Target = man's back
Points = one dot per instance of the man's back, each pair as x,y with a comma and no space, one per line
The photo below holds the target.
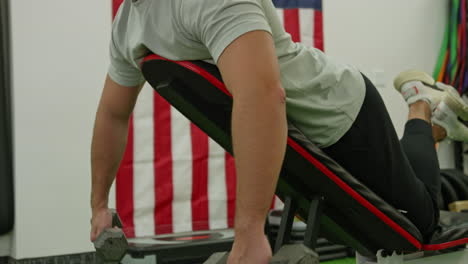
323,98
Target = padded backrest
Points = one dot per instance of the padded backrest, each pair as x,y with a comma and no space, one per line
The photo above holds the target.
6,171
353,214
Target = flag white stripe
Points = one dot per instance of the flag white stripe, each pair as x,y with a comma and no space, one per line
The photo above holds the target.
181,172
143,166
217,195
306,22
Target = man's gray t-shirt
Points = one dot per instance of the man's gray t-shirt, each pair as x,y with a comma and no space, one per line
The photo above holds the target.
323,97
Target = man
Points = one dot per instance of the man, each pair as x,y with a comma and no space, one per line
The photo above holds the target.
272,78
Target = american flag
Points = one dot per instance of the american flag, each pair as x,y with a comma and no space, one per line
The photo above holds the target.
173,177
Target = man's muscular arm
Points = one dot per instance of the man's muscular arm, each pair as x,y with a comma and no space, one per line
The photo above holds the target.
249,68
109,140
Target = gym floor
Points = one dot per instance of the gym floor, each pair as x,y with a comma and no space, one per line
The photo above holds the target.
341,261
151,260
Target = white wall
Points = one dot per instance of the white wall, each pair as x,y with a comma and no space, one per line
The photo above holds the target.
5,245
59,53
387,37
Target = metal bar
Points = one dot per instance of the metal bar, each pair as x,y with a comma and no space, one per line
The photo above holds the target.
313,222
284,232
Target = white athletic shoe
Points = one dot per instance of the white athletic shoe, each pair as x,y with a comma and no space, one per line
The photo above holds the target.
445,117
454,101
416,85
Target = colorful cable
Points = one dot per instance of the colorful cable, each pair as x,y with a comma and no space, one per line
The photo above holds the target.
452,65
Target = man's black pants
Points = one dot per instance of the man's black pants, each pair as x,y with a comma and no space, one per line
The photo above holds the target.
404,173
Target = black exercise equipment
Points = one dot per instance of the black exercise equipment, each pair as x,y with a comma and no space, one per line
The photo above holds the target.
461,175
458,155
111,245
352,214
298,253
448,192
295,254
288,254
440,202
6,139
324,248
182,248
218,258
459,182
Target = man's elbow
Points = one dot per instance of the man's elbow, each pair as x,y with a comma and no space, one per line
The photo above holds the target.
275,94
281,93
261,93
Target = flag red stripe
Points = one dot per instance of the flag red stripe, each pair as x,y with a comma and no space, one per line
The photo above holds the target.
318,30
162,166
230,188
291,24
124,186
115,6
200,213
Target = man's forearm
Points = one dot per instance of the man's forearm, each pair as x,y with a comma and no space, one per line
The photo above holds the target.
109,140
259,139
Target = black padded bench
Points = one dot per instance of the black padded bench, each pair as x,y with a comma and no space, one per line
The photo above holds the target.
352,214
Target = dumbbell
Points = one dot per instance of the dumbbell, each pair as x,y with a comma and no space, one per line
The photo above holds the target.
111,245
288,254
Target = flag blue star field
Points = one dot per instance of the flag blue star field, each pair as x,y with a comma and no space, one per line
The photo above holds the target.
173,178
302,19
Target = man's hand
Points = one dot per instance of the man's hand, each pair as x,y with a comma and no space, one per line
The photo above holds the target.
102,219
250,70
253,249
